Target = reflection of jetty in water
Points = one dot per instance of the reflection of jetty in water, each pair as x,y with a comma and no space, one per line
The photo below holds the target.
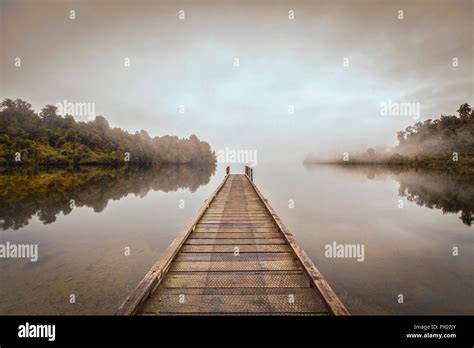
48,193
448,191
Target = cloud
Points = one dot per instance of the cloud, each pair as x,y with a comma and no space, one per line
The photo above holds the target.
282,63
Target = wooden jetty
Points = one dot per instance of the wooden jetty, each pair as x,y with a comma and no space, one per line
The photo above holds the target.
234,257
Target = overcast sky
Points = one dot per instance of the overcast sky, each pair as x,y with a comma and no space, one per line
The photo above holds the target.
283,62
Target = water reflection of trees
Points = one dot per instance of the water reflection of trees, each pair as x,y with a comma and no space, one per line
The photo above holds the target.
48,193
449,192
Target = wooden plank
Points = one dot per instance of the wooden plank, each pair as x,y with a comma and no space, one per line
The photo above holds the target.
236,224
236,258
236,229
236,280
241,222
237,219
248,211
235,241
228,211
226,235
235,291
230,266
302,302
278,248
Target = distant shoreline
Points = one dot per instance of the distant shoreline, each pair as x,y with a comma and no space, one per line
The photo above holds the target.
446,143
77,167
464,165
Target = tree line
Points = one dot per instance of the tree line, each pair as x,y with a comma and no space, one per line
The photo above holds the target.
444,142
446,134
46,138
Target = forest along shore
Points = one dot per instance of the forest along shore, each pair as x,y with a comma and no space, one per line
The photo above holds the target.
28,138
443,143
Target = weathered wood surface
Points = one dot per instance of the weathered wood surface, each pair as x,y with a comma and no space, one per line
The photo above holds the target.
234,257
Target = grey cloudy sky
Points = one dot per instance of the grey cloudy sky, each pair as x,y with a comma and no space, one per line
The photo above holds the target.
282,62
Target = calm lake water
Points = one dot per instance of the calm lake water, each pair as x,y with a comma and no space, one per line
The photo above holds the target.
83,221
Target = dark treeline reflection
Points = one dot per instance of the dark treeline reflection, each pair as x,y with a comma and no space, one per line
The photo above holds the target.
447,191
24,194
